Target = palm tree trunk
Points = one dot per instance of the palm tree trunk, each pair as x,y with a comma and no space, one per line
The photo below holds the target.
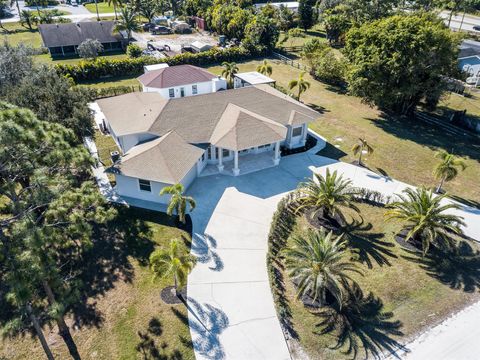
461,23
450,18
18,7
63,329
439,187
176,285
360,157
39,332
115,10
96,8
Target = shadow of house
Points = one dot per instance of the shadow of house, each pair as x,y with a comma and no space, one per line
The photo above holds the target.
361,324
458,268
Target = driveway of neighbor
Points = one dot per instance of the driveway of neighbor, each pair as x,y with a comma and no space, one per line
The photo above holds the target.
231,309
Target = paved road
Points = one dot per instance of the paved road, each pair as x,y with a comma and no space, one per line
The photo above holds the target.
468,22
232,314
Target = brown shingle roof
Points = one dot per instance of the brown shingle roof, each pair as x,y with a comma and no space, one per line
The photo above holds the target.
166,159
75,33
175,76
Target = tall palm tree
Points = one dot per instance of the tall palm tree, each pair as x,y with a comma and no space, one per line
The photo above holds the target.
316,262
360,147
115,3
96,8
174,261
425,219
448,168
128,21
228,72
178,201
28,18
302,85
265,68
328,194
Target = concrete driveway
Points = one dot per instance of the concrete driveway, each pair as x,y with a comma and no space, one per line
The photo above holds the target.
231,309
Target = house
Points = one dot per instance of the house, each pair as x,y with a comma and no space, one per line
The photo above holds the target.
250,78
63,39
198,46
168,141
290,5
153,67
181,81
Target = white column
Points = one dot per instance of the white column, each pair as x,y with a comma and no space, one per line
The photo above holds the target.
304,134
276,156
236,170
220,160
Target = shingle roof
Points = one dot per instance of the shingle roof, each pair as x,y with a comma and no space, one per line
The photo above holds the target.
166,159
175,76
75,33
240,129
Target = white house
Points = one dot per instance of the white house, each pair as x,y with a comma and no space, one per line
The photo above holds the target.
250,78
168,141
181,81
290,5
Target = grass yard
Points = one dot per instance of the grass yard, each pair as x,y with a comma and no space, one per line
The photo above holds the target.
404,149
19,34
105,144
47,59
407,293
103,8
122,315
114,81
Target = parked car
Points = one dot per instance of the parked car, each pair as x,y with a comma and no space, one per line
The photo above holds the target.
476,27
161,30
148,26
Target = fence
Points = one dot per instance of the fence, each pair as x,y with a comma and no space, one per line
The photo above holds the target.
291,62
447,127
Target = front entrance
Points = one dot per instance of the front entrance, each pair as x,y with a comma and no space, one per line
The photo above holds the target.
182,92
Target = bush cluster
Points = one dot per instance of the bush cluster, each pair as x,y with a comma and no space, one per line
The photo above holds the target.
104,67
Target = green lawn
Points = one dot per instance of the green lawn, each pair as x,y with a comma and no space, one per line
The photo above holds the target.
125,317
404,149
109,82
21,35
103,8
409,293
47,59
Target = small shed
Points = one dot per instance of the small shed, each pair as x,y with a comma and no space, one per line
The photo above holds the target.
198,46
251,78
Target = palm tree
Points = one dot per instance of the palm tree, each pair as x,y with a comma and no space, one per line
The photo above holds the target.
448,168
425,219
301,83
228,72
328,194
174,261
265,68
316,263
128,22
98,15
115,3
360,147
28,18
178,201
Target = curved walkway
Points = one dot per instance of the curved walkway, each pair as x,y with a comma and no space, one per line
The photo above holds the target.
231,309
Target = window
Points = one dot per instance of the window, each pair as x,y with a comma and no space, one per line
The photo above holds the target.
144,185
264,146
194,90
225,153
297,131
171,93
182,92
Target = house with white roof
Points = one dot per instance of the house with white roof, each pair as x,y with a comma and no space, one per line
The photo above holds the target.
164,141
180,81
290,5
250,78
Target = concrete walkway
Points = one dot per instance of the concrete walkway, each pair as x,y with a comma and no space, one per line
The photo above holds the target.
231,310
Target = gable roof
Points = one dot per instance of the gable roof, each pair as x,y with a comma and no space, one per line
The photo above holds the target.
175,76
166,159
240,129
69,34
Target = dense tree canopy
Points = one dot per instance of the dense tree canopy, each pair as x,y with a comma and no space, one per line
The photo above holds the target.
401,60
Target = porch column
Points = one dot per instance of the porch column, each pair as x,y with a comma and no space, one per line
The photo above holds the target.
220,159
304,134
276,156
236,170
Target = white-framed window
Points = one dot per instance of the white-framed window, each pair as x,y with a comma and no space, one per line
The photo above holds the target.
264,146
194,90
297,131
144,185
225,152
171,92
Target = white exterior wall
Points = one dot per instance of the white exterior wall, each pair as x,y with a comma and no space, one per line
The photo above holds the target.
297,141
129,186
202,88
126,142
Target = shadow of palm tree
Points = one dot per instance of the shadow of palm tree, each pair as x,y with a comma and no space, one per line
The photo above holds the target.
459,267
203,247
360,324
148,347
368,247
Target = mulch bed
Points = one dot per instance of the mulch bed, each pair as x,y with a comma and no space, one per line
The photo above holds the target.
318,221
188,226
400,239
309,143
169,297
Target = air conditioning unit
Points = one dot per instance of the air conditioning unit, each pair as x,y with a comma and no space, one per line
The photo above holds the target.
114,155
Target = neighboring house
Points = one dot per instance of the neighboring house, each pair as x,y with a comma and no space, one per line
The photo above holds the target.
250,78
63,39
290,5
198,46
168,141
470,65
181,81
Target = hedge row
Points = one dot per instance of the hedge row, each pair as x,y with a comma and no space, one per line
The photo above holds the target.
104,67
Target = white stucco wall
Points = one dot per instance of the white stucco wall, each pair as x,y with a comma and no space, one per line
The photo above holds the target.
129,186
202,88
126,142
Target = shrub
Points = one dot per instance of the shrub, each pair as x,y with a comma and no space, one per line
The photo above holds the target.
103,67
328,68
89,49
134,51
